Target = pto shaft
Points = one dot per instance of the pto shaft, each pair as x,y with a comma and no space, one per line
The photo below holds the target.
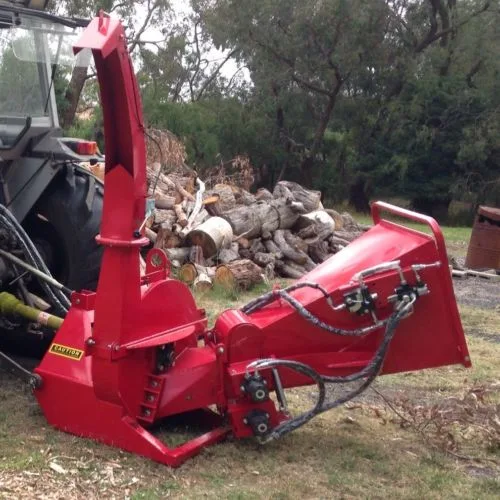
12,306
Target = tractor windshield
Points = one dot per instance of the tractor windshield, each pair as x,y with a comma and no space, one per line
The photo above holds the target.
30,51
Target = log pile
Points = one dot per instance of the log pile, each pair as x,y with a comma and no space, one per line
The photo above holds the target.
222,234
236,239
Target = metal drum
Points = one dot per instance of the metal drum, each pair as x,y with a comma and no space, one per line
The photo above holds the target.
484,245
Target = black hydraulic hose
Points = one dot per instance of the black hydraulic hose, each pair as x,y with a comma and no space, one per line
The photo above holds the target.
265,299
59,299
369,372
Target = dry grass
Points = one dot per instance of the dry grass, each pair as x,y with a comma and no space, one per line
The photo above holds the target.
367,449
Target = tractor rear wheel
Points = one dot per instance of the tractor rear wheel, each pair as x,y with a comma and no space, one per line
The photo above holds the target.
63,225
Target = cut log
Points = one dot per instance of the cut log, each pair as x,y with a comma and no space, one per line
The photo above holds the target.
166,217
150,234
294,265
178,254
212,205
225,193
238,275
309,199
202,283
187,273
243,197
263,195
264,259
273,249
214,234
245,253
319,252
163,201
243,242
229,254
200,218
318,217
252,221
339,222
257,246
288,271
289,252
182,219
166,238
349,224
295,241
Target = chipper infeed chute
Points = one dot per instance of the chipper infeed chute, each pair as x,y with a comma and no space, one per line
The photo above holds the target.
139,349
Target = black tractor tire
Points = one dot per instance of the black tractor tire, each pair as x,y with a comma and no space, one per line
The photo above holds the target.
63,225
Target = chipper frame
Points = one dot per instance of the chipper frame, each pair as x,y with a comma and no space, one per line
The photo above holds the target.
139,349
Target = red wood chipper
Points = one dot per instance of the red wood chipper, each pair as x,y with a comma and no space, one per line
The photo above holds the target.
139,349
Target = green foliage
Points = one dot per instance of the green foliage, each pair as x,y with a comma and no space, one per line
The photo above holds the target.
358,99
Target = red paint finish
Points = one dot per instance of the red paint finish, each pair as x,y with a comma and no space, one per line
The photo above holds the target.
148,353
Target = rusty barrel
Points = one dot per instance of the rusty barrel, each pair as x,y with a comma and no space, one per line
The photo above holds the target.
484,245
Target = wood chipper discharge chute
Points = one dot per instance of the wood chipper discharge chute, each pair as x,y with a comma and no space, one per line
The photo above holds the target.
139,349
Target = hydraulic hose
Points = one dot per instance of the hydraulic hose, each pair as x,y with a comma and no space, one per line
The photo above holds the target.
369,373
57,297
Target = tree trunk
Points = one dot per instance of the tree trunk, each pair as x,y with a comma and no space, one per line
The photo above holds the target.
72,95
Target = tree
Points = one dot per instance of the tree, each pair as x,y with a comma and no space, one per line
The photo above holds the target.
314,49
150,13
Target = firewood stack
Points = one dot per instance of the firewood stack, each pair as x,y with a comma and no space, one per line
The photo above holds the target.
225,235
236,238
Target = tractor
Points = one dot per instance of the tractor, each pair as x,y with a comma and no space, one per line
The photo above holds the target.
138,350
48,202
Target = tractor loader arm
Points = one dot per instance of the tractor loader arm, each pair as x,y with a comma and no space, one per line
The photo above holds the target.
139,349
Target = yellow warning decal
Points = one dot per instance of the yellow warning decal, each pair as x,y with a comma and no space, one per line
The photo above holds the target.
66,352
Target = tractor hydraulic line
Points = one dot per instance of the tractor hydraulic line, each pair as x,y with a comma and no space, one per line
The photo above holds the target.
10,305
138,350
45,277
57,298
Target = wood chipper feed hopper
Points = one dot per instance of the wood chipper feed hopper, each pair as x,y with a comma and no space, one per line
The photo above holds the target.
139,349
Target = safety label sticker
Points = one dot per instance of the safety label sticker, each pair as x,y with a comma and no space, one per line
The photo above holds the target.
66,352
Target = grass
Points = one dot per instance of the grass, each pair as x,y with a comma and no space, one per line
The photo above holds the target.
359,451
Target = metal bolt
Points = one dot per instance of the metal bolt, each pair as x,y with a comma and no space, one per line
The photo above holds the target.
77,301
154,383
90,341
242,387
146,412
262,428
220,350
245,421
116,348
150,398
260,394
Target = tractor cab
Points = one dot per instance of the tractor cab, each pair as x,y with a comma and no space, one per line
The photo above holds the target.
36,59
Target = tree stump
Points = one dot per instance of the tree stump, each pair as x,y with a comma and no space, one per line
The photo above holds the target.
239,274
